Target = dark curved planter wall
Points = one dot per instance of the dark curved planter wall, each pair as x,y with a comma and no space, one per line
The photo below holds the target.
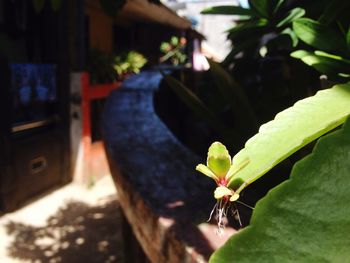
162,196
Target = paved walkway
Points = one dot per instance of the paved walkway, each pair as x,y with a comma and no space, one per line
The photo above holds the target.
73,224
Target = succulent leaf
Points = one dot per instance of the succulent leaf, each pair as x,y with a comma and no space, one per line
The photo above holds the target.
206,171
219,159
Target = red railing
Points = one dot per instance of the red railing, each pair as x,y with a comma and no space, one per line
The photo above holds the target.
89,93
89,159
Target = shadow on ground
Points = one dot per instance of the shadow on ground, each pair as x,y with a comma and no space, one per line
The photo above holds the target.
78,232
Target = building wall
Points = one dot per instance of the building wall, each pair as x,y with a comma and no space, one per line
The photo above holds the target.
34,139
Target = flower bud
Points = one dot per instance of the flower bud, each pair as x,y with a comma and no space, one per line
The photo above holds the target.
219,159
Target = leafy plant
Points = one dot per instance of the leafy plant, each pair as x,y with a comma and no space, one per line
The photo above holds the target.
306,218
279,214
130,62
288,132
174,51
331,48
290,224
106,68
263,19
260,61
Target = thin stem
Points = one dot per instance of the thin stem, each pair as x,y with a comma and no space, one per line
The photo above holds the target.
245,204
236,212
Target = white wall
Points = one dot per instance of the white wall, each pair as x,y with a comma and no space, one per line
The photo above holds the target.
212,26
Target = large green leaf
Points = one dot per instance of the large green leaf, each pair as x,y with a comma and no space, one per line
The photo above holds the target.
261,7
319,36
335,57
306,218
292,129
325,63
266,8
227,10
233,93
292,15
276,5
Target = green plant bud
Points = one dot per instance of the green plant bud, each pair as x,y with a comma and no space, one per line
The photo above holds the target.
219,160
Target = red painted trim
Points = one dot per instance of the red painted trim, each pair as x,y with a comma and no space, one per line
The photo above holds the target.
85,105
102,91
88,93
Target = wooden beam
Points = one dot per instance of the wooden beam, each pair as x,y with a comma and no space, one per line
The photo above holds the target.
155,13
143,10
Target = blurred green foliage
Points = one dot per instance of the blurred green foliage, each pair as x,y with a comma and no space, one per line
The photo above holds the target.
174,51
306,39
274,43
107,68
130,62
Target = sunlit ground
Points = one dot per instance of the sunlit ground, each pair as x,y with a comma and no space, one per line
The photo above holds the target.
73,224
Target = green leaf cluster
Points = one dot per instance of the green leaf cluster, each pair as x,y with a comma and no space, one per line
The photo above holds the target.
107,68
219,168
174,51
329,48
292,129
303,219
262,18
306,218
290,224
131,62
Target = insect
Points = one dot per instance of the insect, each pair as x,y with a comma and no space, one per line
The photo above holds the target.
219,168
